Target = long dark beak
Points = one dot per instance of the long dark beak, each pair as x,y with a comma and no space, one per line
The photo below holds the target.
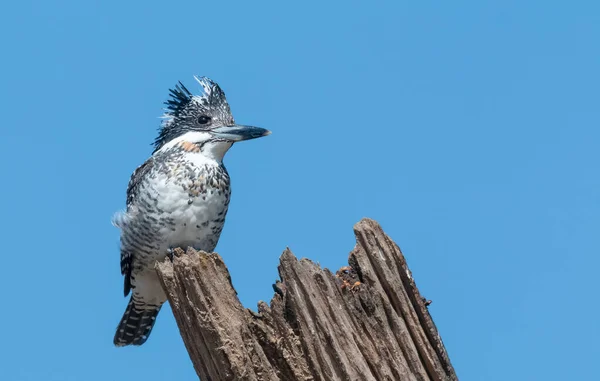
239,132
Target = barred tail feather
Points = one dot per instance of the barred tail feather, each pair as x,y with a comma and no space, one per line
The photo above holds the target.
136,324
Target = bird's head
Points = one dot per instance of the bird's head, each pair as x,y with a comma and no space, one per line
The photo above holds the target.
204,119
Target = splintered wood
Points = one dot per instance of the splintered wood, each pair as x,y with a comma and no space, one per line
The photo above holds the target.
366,322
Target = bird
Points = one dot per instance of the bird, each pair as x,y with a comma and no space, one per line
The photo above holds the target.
178,198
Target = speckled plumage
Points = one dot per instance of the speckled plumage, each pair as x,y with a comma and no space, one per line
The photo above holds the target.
178,198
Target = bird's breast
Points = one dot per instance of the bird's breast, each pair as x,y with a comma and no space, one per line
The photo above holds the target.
193,199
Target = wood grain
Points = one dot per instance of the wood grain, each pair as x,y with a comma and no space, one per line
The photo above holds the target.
366,322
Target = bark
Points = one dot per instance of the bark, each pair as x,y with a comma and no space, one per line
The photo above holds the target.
366,322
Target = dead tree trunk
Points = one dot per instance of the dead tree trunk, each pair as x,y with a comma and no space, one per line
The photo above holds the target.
366,322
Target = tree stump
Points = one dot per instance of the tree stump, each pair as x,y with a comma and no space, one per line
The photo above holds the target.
366,322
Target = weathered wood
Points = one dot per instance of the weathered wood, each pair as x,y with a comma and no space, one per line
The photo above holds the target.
366,322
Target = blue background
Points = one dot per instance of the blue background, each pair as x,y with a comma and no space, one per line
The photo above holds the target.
469,130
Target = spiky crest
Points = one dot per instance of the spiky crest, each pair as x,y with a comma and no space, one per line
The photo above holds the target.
180,98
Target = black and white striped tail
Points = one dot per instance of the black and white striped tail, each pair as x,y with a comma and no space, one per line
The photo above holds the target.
136,324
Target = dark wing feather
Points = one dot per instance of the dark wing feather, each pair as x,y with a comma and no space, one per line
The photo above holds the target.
136,179
132,190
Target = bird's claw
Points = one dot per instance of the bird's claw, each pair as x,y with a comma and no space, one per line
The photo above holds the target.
349,286
355,285
174,252
170,253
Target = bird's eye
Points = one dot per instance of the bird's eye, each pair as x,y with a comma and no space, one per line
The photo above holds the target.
204,119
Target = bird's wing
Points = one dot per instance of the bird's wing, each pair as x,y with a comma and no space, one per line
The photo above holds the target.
136,179
132,190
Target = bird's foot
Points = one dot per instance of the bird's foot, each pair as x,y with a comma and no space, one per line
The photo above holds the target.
355,285
350,286
174,252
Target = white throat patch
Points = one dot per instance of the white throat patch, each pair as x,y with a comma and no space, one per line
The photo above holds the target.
212,150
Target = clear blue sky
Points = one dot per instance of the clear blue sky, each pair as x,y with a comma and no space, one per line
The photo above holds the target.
469,130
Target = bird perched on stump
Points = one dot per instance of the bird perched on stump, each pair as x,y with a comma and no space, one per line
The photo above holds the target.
177,198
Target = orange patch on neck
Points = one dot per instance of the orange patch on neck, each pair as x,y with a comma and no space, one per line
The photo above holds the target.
189,147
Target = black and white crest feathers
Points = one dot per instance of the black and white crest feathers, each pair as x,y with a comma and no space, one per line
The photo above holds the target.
184,108
180,98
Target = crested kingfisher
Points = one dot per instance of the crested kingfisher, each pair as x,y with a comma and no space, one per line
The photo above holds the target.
177,198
